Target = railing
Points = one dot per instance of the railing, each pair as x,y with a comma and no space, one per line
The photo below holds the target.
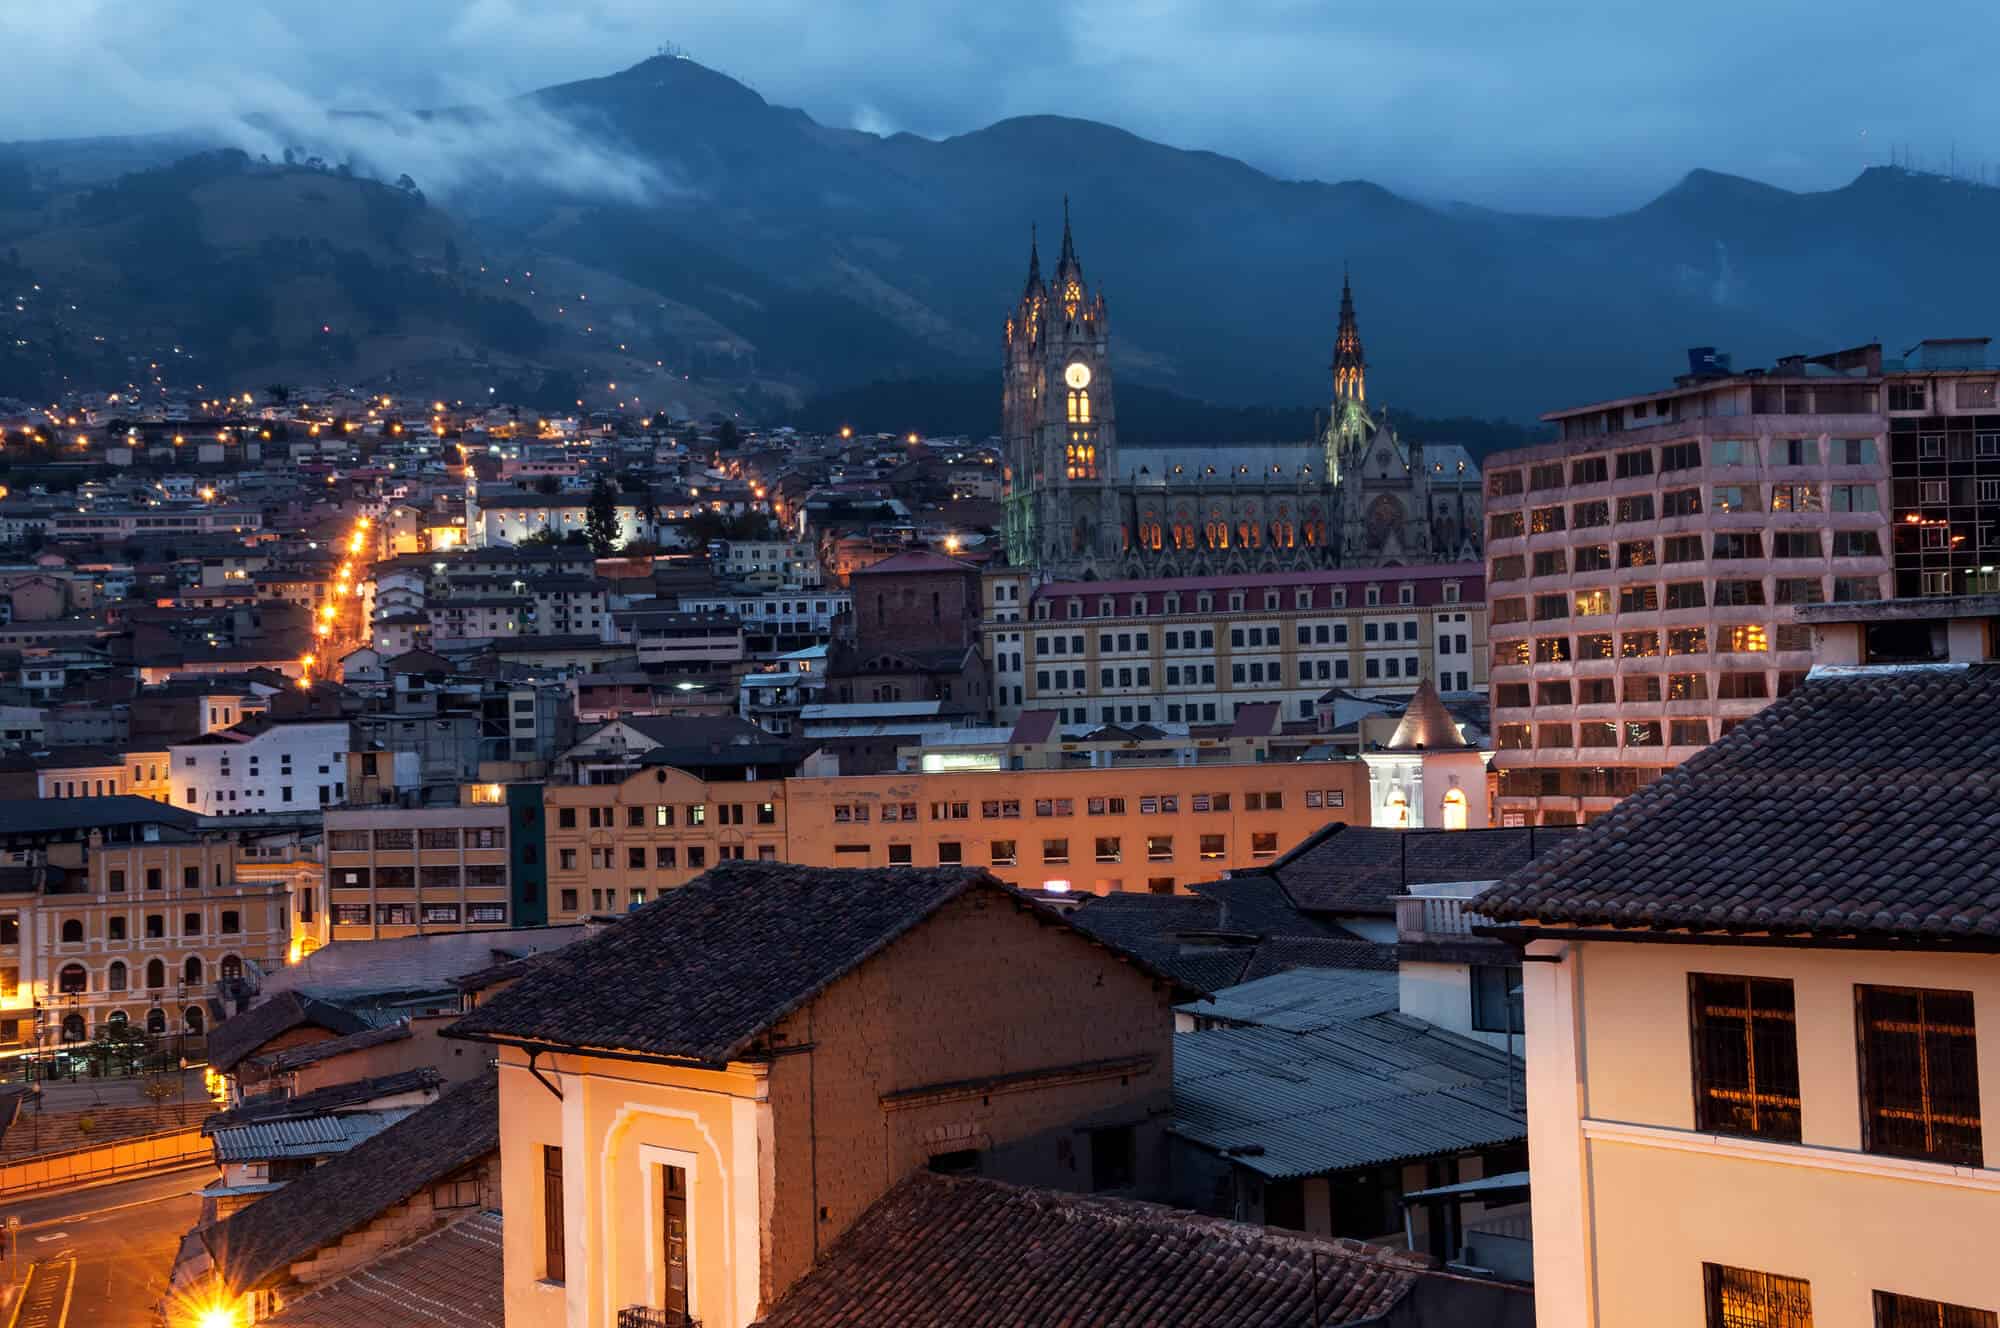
121,1157
647,1316
1430,917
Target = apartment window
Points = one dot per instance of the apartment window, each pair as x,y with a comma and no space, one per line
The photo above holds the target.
1740,1298
1680,502
1213,847
1548,475
1636,553
1055,852
1597,733
1004,853
1593,558
1737,498
1510,568
635,858
1552,650
1589,470
1501,483
1506,525
1687,686
1894,1311
1797,498
1919,1074
1631,464
1554,736
1643,733
1551,606
1803,543
1552,694
1685,595
900,855
1680,456
1688,732
950,853
1543,520
1551,562
1638,599
1744,638
1687,641
1594,513
568,901
1854,498
1739,593
1264,844
565,818
1741,687
1592,602
1159,848
566,859
1636,507
554,1264
1854,451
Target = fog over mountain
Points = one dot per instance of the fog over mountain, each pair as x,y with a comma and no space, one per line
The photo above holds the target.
738,254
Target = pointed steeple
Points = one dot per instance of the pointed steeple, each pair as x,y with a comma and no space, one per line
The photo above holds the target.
1067,265
1034,260
1350,365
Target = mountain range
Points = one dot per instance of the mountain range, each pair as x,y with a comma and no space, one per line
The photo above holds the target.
713,252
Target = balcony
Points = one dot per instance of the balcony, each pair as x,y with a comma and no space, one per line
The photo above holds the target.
646,1316
1431,918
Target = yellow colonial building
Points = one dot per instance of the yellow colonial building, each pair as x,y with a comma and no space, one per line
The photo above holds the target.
1754,995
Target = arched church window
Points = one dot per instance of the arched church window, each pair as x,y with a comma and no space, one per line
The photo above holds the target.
1072,297
1079,406
1454,809
1396,812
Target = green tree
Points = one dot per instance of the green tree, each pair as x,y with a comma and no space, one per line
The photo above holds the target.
549,484
600,523
542,539
728,436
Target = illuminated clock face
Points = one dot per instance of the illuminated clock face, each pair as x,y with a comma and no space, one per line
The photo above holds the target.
1077,376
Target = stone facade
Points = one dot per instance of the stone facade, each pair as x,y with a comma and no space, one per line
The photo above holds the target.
1079,506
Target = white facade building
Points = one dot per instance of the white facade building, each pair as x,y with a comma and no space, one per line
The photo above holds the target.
263,765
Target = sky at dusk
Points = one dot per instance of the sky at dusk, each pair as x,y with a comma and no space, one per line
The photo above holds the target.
1589,107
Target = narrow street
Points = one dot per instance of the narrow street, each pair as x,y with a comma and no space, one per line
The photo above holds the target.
101,1256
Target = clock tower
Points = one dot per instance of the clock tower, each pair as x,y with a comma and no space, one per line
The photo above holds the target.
1059,425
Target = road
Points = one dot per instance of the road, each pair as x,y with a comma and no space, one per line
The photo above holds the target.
105,1252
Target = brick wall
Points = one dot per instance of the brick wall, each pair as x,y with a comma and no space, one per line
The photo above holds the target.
982,989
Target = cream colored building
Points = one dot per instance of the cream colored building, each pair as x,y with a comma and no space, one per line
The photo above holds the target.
695,1105
1753,1000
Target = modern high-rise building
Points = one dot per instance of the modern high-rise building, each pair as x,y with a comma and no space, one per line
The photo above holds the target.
1644,570
1944,467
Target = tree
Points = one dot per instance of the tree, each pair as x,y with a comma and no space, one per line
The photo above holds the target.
600,523
548,484
728,436
157,1090
279,393
542,539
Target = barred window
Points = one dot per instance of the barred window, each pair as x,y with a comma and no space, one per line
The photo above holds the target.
1894,1311
1746,1056
1919,1074
1740,1298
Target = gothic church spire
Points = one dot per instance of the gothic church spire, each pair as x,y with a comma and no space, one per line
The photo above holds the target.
1350,365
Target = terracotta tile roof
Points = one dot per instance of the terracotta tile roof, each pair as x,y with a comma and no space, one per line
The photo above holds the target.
945,1250
1359,869
1866,803
241,1035
295,1058
255,1245
701,972
450,1279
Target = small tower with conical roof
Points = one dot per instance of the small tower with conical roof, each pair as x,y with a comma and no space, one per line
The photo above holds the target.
1427,774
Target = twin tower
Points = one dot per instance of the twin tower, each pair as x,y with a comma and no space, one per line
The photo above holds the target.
1189,510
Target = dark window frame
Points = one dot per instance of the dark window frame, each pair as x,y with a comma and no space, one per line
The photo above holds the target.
1745,1056
1928,1112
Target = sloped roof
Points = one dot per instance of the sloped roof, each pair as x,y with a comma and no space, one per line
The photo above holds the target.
1360,869
915,560
1427,725
1303,1000
1866,803
52,815
240,1035
333,1098
1362,1092
307,1136
970,1253
255,1245
294,1058
449,1279
700,972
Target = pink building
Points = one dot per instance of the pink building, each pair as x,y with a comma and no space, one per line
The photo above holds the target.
1644,571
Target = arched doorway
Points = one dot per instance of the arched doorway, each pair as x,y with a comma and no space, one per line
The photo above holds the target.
193,1020
156,1021
73,1028
1454,809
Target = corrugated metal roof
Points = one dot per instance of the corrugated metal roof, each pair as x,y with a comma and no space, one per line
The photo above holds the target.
1302,1000
1379,1088
312,1136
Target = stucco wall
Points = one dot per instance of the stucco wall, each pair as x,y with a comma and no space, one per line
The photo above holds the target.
1630,1201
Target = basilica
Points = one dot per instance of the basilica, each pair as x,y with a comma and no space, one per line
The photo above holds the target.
1078,505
